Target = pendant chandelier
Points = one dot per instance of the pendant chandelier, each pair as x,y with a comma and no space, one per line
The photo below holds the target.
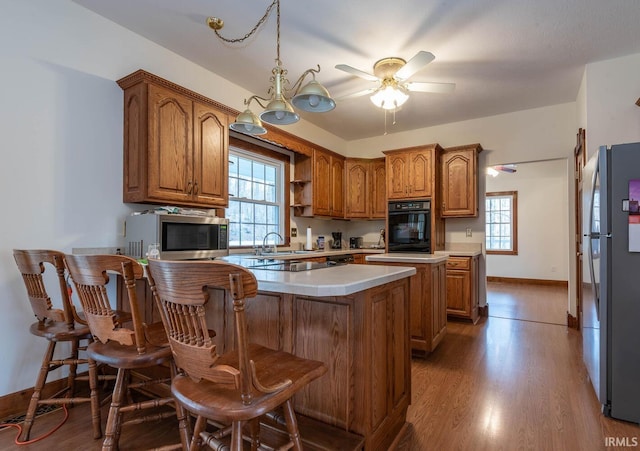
312,97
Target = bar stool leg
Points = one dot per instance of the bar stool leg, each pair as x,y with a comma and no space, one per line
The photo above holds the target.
113,420
37,392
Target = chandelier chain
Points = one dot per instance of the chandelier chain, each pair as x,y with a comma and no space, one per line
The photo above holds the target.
255,28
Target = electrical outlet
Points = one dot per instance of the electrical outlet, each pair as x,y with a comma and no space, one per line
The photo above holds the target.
294,232
468,231
554,269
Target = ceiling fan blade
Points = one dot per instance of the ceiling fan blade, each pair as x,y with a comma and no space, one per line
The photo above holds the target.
356,72
364,92
425,86
416,63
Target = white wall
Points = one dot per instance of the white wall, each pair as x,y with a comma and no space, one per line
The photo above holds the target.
543,215
612,88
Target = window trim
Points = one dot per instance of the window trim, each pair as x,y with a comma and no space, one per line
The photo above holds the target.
286,160
514,223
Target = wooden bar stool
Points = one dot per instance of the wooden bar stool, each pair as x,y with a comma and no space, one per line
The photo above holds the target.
123,348
235,388
56,325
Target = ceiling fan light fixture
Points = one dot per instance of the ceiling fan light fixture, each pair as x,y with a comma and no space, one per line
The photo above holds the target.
248,123
389,97
314,98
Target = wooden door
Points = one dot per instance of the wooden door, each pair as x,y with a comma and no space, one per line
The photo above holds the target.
397,173
357,191
420,174
170,142
459,184
378,188
211,156
321,183
336,184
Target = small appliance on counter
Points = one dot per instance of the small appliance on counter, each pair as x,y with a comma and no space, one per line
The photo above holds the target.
337,240
355,242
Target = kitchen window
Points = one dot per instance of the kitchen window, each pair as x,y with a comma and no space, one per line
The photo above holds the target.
257,197
502,223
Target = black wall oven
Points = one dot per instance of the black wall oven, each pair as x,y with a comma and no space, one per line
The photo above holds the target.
410,226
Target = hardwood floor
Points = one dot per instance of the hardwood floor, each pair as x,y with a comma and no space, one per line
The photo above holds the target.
502,384
540,303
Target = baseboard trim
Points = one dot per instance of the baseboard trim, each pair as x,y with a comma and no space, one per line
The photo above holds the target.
572,321
17,403
483,310
554,283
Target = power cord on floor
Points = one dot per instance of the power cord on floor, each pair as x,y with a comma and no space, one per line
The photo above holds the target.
28,442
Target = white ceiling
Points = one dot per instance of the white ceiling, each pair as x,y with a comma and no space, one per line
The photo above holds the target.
503,55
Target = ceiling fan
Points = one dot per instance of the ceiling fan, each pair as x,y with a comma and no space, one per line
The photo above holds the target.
391,76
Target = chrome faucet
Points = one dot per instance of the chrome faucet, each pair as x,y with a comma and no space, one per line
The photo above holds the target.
264,243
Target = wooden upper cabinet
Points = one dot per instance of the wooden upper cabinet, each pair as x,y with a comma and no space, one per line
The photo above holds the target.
337,186
378,189
211,155
357,192
459,168
322,190
410,172
176,144
365,192
318,188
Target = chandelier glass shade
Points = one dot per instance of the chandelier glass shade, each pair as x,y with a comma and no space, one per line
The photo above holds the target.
278,110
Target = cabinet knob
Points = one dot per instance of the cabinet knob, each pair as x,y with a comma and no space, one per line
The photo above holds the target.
189,187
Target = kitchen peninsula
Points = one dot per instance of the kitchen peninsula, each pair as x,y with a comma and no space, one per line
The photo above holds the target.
354,318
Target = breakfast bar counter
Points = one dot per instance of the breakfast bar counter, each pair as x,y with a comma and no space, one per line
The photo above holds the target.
355,319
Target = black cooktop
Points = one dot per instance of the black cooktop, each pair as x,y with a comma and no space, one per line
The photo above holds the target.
293,266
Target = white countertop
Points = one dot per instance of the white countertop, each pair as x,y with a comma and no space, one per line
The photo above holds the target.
340,280
459,253
406,257
286,254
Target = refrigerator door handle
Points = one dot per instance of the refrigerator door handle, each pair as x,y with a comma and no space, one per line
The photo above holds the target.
593,235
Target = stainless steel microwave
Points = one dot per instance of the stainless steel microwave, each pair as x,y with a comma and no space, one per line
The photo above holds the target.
179,237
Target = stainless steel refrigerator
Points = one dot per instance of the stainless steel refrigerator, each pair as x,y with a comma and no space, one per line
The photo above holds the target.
611,281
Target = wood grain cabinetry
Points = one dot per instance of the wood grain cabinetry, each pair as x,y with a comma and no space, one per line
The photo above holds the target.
411,172
462,288
365,193
427,304
459,167
318,188
175,144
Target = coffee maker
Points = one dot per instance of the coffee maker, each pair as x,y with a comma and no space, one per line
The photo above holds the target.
337,240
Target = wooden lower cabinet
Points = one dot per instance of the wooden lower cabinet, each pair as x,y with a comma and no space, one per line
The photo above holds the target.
462,288
428,304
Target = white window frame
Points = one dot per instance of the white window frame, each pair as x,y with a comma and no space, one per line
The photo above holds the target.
259,230
499,225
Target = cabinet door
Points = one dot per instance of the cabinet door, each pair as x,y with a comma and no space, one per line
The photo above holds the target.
357,197
321,183
378,189
459,184
397,170
458,292
170,145
210,156
337,187
420,174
